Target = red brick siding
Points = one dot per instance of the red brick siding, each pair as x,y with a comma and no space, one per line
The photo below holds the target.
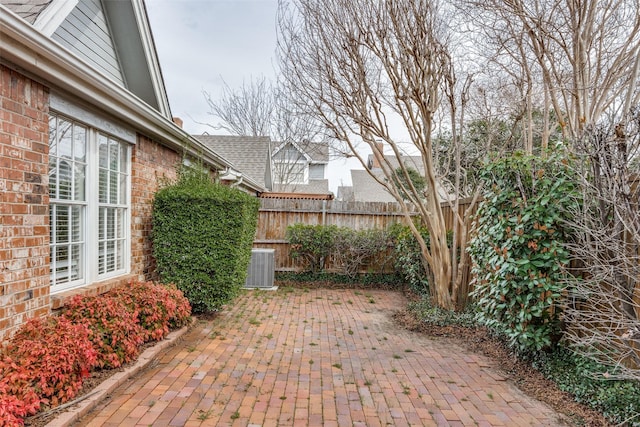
151,162
24,209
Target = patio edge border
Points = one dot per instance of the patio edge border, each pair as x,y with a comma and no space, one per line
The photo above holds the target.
102,390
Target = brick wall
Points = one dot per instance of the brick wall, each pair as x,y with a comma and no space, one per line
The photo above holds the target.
24,204
24,208
151,162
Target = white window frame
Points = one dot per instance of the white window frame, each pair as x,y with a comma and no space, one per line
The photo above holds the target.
96,125
284,172
283,162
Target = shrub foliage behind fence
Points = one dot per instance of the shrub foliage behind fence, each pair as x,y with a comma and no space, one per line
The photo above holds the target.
275,215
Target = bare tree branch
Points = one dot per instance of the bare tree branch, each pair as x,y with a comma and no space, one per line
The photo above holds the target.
364,69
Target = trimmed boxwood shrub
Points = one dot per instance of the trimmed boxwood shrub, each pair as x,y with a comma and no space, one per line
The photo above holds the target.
202,237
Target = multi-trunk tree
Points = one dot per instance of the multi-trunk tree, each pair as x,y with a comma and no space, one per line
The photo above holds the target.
366,69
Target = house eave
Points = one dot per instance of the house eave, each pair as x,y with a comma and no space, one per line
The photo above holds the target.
45,60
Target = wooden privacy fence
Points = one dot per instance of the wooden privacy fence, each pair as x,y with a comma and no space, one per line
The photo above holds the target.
276,215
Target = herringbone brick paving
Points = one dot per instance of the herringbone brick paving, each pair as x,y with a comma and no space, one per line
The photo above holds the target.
317,358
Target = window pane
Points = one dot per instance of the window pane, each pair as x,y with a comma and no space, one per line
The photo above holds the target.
124,155
52,228
101,223
65,182
113,187
76,224
65,139
120,254
120,223
79,179
114,156
103,186
62,224
103,151
62,259
111,226
123,189
75,262
53,177
79,143
101,258
111,259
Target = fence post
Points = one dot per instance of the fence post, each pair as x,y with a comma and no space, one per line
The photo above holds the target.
324,212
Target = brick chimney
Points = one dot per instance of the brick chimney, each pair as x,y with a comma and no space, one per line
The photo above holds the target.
376,163
178,121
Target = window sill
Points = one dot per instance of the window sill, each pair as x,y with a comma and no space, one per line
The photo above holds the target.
60,300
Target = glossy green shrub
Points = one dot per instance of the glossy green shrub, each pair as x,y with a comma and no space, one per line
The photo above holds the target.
518,249
202,238
591,383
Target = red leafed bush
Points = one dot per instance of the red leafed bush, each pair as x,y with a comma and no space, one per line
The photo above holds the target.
115,329
182,314
17,398
43,363
159,307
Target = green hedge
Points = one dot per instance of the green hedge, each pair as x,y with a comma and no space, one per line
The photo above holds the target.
407,257
202,237
350,250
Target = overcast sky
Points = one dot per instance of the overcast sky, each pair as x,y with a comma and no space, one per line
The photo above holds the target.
202,43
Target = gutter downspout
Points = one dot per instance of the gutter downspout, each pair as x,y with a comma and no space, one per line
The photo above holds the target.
238,182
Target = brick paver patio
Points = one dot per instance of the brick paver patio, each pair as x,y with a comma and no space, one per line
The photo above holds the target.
317,358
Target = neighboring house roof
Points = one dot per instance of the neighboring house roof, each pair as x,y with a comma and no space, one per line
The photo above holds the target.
248,154
318,151
315,186
315,152
414,162
345,193
29,10
367,189
37,46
